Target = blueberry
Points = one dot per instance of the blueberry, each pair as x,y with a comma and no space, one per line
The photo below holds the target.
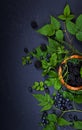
34,24
26,50
30,89
38,64
34,51
43,47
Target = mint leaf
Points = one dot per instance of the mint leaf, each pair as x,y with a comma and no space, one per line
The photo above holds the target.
52,74
78,125
71,27
62,17
55,23
24,60
79,22
50,82
53,59
47,30
52,117
67,10
63,122
81,72
79,36
59,35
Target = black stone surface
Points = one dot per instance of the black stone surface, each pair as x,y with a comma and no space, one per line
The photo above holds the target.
18,109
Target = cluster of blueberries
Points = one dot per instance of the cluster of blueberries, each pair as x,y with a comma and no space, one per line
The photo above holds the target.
62,103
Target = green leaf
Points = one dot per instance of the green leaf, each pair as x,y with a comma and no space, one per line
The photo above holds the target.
53,59
67,10
50,126
71,27
79,36
79,22
63,122
81,72
78,98
52,117
57,84
46,107
62,17
47,30
68,95
24,60
70,17
50,82
39,97
55,23
59,35
52,74
78,125
41,83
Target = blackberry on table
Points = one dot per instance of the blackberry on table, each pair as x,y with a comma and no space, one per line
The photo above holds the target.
34,25
38,64
26,50
30,89
48,55
43,47
34,51
46,89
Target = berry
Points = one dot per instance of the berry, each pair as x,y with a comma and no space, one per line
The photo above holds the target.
43,47
41,57
46,89
45,114
34,24
47,59
38,64
31,56
34,51
48,55
26,50
75,118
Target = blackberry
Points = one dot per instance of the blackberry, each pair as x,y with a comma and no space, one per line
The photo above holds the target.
75,118
38,64
34,51
41,58
45,114
46,89
48,55
43,47
26,50
31,56
47,59
34,25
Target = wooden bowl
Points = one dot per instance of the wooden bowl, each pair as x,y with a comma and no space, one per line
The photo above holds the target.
61,77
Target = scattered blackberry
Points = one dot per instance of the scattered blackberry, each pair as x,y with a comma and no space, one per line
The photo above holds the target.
47,59
34,25
44,121
31,56
41,58
26,50
34,51
48,55
46,89
43,47
38,64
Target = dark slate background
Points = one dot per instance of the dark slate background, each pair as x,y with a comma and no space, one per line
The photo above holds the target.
18,109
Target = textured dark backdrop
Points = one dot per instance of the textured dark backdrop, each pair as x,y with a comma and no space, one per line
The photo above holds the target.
18,109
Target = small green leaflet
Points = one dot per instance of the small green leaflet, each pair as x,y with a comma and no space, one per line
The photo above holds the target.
78,98
47,30
52,74
68,95
50,82
50,126
52,118
79,22
59,35
79,36
67,10
63,122
24,60
81,72
57,84
62,17
53,59
55,23
45,101
78,125
39,86
71,27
